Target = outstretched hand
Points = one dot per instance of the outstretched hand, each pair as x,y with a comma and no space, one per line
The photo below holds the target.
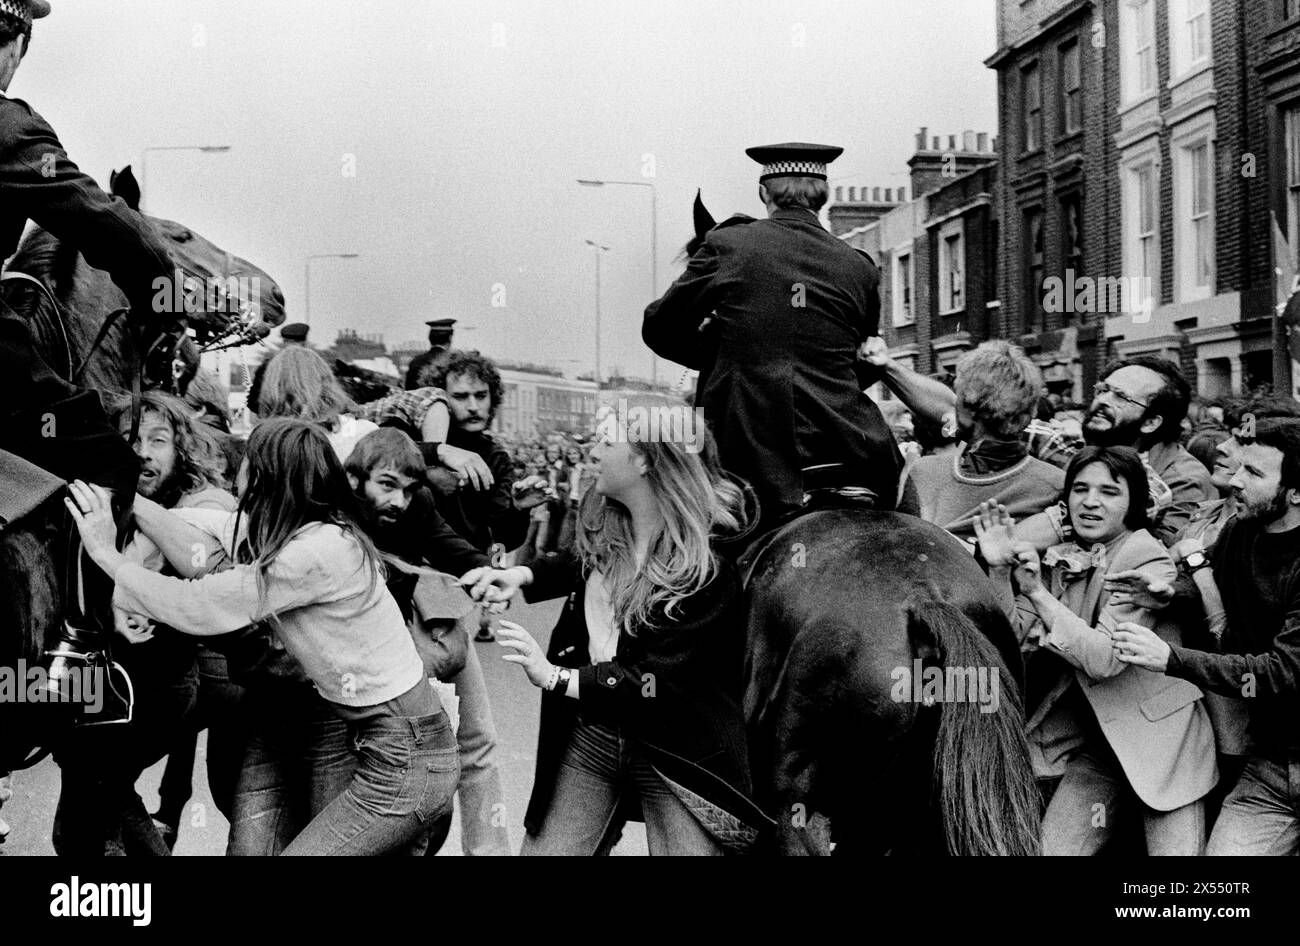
995,532
526,652
1136,588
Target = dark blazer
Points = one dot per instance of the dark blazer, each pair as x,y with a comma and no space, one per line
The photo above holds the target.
691,729
790,305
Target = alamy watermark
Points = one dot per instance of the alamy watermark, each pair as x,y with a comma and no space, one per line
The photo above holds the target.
652,423
184,293
31,684
930,685
1111,295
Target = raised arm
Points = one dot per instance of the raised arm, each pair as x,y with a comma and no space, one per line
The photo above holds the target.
189,550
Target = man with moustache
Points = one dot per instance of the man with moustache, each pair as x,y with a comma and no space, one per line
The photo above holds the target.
1140,403
1256,568
99,811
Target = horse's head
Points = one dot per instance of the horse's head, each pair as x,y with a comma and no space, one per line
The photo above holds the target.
227,300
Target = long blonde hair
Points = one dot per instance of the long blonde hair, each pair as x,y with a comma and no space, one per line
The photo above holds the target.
697,503
298,383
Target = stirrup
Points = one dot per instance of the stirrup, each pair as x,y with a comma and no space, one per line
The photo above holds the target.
75,657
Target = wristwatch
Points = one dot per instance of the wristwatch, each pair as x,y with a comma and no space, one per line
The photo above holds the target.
562,681
1196,561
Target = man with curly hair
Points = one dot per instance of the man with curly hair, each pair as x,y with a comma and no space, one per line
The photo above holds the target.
484,513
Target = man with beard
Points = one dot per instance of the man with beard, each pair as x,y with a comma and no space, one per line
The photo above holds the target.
1140,403
1256,568
485,513
99,811
387,473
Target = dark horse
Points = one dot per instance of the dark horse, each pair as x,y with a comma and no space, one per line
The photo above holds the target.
853,614
66,304
845,606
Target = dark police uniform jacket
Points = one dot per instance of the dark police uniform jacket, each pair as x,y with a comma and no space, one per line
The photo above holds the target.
790,305
38,182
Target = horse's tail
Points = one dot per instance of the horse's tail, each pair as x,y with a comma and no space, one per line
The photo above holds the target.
987,795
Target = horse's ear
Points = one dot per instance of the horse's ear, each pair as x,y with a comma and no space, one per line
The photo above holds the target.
123,184
704,221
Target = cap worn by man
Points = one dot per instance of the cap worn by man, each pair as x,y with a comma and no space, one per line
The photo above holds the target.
24,10
794,159
295,332
441,327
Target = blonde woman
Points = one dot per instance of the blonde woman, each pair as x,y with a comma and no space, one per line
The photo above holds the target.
642,681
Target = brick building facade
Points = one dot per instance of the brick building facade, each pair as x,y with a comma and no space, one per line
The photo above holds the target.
1053,196
937,253
1138,159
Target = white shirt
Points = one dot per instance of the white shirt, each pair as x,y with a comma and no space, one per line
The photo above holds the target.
602,631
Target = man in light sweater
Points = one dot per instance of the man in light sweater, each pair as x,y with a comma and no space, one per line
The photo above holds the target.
997,389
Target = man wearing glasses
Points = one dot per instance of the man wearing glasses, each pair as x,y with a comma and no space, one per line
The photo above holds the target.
1140,403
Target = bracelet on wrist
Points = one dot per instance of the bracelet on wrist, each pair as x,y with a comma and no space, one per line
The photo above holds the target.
555,678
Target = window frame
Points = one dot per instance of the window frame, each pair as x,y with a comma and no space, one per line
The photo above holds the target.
1031,125
1034,256
1291,171
952,298
1141,246
1071,96
1135,14
906,297
1183,14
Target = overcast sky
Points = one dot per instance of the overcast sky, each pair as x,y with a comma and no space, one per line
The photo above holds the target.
467,123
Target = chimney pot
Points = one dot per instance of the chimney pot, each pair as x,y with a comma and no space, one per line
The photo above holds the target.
875,195
936,143
921,138
982,141
889,195
952,142
902,195
839,195
853,194
968,141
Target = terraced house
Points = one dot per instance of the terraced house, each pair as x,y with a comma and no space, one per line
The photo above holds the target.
1138,176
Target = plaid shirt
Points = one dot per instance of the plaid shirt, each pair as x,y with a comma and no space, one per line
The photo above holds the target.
409,407
1048,444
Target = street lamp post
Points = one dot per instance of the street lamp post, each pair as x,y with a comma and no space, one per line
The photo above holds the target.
654,247
307,281
144,163
599,250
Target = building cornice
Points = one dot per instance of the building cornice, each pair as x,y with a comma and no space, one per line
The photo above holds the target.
1044,27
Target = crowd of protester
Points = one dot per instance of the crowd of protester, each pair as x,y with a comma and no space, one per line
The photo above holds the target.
1142,544
1146,549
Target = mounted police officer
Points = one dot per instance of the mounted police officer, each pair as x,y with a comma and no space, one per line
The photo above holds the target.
790,305
42,419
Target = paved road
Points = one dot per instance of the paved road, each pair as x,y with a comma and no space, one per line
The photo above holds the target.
515,706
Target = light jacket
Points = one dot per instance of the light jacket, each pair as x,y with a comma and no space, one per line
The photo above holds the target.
1156,725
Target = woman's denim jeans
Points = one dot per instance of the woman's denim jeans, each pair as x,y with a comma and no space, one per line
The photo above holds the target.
599,766
406,775
296,762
